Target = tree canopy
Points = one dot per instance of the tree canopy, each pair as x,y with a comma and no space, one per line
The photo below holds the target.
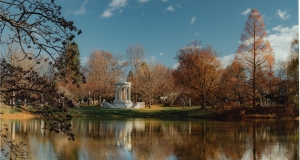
199,69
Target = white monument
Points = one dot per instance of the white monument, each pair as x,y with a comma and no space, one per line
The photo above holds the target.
123,97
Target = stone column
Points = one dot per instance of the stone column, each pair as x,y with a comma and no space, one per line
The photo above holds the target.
129,93
122,95
127,98
125,93
119,92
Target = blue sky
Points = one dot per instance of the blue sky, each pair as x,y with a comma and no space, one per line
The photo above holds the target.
162,27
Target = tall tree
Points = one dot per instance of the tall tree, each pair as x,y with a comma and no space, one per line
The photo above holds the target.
255,51
173,89
201,69
103,70
135,56
70,71
150,76
233,82
238,73
293,70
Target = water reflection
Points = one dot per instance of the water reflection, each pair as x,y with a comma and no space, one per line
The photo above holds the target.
147,139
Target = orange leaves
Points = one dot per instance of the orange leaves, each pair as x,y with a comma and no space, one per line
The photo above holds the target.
199,69
255,52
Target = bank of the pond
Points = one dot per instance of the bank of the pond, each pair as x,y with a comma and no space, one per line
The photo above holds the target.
169,112
8,112
190,112
155,112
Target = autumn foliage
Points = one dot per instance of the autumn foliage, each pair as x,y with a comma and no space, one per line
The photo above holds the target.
255,51
199,69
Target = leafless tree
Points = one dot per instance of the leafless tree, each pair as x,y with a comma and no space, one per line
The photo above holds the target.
103,70
135,56
36,25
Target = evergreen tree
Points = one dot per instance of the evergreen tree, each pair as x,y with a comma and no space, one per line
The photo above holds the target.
71,69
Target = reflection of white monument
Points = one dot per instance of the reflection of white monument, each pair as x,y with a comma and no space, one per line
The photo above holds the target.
123,97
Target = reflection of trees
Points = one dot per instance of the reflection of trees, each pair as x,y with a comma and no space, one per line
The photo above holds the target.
161,139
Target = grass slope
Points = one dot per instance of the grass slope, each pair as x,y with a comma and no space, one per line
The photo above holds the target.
154,111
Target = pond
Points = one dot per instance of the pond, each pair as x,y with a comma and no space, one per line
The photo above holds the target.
158,139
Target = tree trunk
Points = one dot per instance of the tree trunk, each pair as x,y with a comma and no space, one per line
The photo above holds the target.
99,101
254,89
149,102
203,101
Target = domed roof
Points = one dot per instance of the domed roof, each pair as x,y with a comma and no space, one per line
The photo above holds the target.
122,83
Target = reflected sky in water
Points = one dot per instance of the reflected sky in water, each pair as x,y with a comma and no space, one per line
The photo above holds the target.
152,139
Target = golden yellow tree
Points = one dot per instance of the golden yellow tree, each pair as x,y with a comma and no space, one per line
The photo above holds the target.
199,70
103,70
151,77
255,51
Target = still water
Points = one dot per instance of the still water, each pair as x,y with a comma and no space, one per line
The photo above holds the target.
158,139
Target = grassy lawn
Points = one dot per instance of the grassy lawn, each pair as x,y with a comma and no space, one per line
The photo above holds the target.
95,111
4,109
154,111
157,111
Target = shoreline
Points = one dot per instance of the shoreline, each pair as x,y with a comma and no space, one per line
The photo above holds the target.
238,114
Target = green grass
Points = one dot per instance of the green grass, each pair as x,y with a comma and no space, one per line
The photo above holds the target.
9,110
154,111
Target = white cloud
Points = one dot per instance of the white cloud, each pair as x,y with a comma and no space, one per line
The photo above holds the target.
83,60
193,20
143,1
82,9
161,53
280,39
175,66
283,14
170,8
164,0
248,10
115,5
196,33
107,13
227,60
118,3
